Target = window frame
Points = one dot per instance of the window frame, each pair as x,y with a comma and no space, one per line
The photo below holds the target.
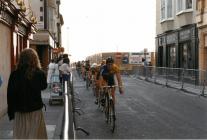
41,9
166,18
41,18
184,8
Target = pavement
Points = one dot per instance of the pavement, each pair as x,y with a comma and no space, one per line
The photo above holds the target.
190,88
53,119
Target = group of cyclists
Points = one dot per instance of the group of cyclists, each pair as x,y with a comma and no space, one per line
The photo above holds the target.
104,74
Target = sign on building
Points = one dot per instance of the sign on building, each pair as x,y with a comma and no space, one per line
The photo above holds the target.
136,58
125,59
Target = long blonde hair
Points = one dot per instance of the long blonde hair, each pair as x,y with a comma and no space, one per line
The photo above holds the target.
28,62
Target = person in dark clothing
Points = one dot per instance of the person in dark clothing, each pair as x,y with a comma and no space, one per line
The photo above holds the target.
24,97
1,81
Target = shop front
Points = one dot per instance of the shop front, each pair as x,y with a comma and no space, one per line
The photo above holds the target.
44,44
178,49
15,30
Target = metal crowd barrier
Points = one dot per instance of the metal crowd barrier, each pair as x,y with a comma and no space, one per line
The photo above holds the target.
68,128
190,80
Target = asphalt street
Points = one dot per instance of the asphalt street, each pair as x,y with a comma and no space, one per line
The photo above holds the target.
145,111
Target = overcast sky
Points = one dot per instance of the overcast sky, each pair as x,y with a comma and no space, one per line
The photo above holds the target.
93,26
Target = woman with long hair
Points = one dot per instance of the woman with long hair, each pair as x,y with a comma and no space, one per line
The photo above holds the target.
24,97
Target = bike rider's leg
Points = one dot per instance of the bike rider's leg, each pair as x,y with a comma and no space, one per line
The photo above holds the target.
97,90
113,94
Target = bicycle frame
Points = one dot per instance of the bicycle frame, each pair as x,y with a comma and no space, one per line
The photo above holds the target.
109,107
87,79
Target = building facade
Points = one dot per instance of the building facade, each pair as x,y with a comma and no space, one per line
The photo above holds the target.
48,36
201,19
15,32
177,34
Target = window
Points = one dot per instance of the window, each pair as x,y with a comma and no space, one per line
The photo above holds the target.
41,9
179,5
186,56
162,9
184,5
169,9
166,9
189,4
171,56
41,18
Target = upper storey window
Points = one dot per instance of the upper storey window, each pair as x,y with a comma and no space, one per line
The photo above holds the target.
166,10
184,6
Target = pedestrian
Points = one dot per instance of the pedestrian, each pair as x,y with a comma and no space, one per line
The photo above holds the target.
50,72
65,56
56,72
145,66
65,71
150,69
24,97
1,81
60,62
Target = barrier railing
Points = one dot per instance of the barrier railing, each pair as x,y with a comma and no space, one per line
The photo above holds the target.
68,128
191,80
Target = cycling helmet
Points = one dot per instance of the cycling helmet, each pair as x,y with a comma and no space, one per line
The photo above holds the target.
109,60
94,65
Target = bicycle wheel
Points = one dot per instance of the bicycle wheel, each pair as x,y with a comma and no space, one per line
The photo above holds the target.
106,108
112,117
99,99
87,83
94,88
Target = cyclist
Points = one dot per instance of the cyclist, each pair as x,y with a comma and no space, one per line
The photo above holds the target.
98,79
108,72
87,71
78,68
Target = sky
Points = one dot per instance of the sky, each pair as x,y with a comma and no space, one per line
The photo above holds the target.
94,26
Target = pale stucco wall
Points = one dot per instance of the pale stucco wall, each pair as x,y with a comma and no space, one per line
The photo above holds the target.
5,64
178,21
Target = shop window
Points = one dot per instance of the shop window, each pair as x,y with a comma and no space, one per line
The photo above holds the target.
15,48
186,56
160,56
172,57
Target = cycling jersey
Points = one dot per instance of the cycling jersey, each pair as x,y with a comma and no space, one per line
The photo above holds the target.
87,67
108,75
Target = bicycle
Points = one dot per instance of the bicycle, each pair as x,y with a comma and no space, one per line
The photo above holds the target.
109,107
87,80
93,85
101,99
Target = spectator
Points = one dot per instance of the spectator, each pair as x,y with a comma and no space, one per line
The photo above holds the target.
65,56
24,97
1,81
145,66
51,70
65,72
56,72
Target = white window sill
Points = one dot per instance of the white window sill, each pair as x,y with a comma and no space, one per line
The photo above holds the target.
165,20
184,11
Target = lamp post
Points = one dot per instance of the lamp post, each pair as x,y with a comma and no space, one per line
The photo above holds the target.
68,37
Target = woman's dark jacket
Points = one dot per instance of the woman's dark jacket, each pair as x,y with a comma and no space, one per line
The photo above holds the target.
23,94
